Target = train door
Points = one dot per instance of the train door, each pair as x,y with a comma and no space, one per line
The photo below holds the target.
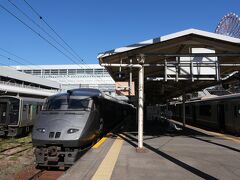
14,112
221,117
194,113
24,113
3,112
30,112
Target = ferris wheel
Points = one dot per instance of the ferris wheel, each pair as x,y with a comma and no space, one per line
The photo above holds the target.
229,25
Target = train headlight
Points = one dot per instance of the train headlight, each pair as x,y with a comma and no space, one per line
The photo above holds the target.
72,130
41,130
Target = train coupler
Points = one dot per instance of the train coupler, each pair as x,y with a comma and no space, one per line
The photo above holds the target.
55,156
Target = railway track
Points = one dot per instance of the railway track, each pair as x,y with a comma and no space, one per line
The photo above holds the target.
47,175
15,150
3,150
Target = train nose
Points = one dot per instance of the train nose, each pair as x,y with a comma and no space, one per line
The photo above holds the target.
57,129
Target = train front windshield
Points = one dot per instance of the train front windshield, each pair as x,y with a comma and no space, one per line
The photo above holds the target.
67,103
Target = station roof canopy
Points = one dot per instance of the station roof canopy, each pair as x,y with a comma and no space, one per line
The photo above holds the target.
170,48
12,73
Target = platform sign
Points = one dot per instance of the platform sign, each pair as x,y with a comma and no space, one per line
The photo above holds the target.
123,88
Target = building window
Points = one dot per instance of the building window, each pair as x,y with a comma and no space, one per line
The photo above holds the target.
98,71
36,72
28,71
62,72
71,71
89,71
54,71
46,72
80,71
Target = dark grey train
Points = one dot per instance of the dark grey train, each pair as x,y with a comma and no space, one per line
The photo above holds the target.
71,122
220,113
17,114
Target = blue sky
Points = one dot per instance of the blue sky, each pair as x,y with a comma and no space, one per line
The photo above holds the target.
93,26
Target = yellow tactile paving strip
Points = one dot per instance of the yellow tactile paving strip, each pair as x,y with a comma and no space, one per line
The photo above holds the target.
99,143
105,169
223,136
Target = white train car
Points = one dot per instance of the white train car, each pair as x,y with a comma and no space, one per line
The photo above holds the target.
17,114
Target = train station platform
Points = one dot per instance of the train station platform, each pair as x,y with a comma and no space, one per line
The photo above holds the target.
191,153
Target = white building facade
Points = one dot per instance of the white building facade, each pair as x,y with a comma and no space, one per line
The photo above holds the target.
73,76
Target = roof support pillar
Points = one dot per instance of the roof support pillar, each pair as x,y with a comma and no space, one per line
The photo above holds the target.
183,110
140,67
141,60
130,78
140,107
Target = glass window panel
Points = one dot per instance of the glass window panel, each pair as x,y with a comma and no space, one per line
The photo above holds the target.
80,71
36,72
28,71
54,72
71,71
89,71
62,72
46,71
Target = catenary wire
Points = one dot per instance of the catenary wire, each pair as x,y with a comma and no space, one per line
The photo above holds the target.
55,32
40,27
37,33
8,58
45,32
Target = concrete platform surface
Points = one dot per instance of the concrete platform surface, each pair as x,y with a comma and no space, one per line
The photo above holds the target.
186,154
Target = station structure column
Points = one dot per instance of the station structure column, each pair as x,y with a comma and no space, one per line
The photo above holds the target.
140,107
141,60
183,110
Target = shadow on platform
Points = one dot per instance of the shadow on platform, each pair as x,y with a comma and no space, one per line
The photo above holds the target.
133,141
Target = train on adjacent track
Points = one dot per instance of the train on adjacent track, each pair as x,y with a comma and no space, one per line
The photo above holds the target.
73,121
17,114
221,113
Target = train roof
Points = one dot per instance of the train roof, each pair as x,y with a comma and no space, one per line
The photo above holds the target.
91,92
85,92
214,98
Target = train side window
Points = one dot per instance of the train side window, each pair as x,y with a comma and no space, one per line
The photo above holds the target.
34,108
24,107
205,110
237,110
37,109
29,109
187,110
